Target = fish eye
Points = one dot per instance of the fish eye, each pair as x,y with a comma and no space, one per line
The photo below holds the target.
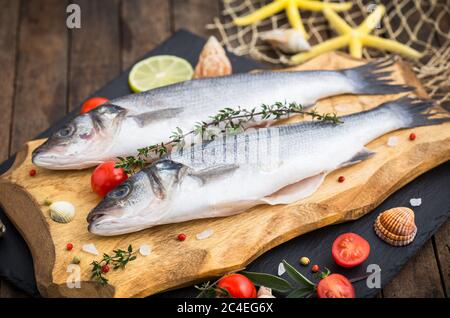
66,131
119,192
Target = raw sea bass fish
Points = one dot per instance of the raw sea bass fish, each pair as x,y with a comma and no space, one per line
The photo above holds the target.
275,165
135,121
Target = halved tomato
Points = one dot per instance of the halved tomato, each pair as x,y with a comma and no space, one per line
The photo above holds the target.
350,250
335,286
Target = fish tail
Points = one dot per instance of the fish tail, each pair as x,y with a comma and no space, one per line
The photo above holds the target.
414,112
373,79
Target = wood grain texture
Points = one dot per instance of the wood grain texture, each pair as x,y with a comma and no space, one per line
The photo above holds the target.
94,50
9,17
170,264
194,15
42,69
419,278
442,250
145,24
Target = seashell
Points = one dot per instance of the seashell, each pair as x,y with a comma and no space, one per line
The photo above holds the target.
287,40
62,211
396,226
213,60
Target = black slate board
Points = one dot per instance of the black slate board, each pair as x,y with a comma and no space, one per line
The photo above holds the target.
16,264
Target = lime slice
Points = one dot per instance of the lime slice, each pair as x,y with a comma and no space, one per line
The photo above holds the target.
157,71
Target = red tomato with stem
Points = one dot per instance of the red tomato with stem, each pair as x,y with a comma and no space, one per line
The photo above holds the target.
350,250
335,286
238,286
106,177
92,103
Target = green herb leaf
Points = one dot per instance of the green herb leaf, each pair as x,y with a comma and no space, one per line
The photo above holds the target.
296,275
269,281
300,292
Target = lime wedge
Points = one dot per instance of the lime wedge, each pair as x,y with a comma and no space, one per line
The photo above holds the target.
157,71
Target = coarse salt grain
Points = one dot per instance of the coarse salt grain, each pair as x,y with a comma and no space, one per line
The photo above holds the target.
415,201
281,269
145,250
205,234
90,248
392,141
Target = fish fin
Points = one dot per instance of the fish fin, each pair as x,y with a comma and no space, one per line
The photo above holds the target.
295,191
414,112
147,118
207,174
358,157
370,79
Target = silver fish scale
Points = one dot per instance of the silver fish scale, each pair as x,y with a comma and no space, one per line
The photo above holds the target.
261,147
212,94
273,145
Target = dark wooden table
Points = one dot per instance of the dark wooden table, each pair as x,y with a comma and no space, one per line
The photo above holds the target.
44,65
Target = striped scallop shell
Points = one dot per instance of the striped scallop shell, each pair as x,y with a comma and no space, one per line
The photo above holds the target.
62,211
396,226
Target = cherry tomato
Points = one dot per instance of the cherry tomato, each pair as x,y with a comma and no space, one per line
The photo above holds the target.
92,103
106,177
238,286
350,250
335,286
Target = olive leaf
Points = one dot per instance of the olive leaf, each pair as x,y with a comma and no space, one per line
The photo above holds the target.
269,281
300,292
295,275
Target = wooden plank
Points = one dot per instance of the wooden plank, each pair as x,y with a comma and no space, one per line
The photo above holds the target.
194,15
145,24
40,95
94,50
419,278
9,16
442,250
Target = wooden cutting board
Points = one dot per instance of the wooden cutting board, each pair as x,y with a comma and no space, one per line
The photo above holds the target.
237,240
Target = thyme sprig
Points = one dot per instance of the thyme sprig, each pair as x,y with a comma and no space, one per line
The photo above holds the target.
118,261
228,121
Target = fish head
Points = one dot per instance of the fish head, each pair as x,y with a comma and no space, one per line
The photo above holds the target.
80,142
142,201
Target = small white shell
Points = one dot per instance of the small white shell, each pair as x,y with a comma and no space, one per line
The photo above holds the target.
62,211
287,40
145,250
90,248
205,234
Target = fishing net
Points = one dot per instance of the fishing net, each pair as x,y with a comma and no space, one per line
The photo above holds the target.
422,25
